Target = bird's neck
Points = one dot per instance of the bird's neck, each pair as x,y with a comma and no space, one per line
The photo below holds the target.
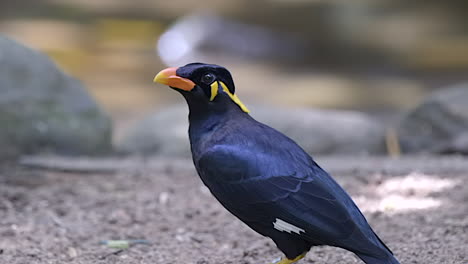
204,121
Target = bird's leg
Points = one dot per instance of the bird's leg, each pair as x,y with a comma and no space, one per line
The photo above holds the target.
290,261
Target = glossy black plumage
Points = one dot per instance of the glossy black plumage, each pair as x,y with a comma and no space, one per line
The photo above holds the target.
260,176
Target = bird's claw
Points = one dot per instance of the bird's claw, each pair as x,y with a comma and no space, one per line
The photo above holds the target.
289,261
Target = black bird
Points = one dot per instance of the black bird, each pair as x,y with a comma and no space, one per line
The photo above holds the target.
263,177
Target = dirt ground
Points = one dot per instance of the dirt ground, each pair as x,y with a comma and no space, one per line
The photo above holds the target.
59,213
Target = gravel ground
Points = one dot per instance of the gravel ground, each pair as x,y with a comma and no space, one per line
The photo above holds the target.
58,210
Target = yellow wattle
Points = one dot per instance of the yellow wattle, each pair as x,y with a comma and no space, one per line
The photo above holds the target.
234,98
214,90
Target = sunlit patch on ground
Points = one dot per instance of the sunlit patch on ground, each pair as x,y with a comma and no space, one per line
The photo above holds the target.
405,193
396,203
416,183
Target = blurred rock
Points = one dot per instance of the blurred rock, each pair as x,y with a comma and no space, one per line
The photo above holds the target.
459,145
43,109
317,131
439,124
321,131
163,132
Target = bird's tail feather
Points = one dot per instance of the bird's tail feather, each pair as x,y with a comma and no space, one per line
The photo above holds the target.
390,259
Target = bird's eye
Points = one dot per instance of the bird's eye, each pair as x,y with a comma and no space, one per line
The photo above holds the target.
207,78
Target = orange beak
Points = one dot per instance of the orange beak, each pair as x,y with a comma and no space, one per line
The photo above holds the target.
169,77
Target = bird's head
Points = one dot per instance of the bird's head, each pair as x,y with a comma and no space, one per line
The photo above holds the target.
208,84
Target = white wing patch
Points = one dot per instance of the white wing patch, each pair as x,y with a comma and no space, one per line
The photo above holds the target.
286,227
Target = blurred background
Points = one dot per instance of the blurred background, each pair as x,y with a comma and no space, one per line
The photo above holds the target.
381,57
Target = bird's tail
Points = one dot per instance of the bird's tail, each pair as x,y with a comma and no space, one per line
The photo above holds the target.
389,259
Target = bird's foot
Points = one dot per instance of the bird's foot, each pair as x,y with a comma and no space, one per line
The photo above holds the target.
289,261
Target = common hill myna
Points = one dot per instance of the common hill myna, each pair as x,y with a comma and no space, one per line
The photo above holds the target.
263,177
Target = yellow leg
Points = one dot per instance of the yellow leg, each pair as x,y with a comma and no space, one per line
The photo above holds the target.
290,261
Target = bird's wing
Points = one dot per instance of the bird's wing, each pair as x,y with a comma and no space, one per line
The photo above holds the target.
289,192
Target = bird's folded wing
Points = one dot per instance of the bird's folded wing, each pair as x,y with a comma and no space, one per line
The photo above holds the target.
264,188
